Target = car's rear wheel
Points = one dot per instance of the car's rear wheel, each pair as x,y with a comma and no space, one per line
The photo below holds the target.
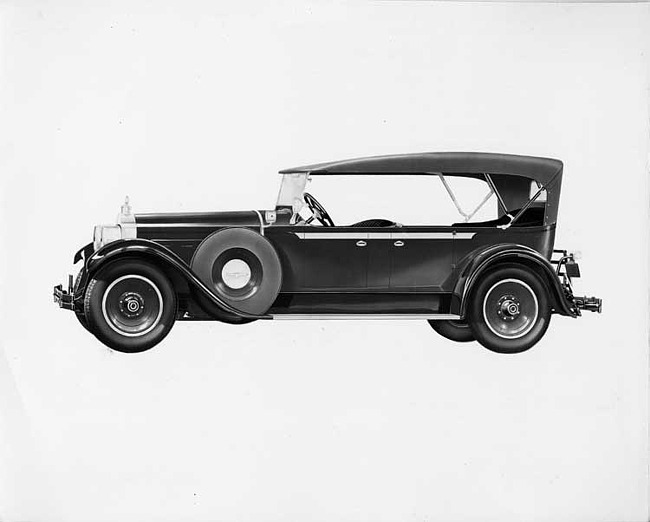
130,305
453,330
509,310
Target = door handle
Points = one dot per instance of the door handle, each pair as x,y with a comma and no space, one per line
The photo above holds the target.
399,243
361,243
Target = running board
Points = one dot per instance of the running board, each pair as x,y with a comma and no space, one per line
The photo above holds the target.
366,316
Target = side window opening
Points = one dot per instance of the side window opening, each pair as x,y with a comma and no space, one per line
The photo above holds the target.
534,187
534,214
420,200
473,199
409,200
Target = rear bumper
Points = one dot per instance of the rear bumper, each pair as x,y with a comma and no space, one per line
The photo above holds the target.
567,268
591,304
64,298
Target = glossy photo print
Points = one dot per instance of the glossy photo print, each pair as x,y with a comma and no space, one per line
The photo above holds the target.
324,261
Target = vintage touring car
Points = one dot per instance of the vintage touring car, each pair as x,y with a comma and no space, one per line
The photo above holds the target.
496,281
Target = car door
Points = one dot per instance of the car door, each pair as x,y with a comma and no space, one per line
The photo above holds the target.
421,259
332,258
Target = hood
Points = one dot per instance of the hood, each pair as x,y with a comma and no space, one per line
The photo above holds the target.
192,225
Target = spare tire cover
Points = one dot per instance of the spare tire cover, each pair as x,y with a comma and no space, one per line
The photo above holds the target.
241,267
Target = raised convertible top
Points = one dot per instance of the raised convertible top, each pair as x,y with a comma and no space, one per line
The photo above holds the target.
510,173
459,163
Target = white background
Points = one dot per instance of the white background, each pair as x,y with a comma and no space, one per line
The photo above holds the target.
195,106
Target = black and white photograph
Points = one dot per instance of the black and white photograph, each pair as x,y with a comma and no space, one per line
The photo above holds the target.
345,261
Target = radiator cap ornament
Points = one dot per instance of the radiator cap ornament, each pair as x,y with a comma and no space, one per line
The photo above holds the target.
125,209
125,215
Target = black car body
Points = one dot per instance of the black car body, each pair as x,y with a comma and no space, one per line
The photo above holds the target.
241,266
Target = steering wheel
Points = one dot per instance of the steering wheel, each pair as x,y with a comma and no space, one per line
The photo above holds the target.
317,211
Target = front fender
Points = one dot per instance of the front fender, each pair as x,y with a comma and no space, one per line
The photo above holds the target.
162,256
479,261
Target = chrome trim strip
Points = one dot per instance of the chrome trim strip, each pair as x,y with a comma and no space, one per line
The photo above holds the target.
364,316
332,235
422,235
464,235
194,225
385,235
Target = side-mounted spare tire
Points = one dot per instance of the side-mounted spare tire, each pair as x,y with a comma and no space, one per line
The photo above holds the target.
242,268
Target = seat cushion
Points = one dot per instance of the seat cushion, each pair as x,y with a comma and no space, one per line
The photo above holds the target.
375,223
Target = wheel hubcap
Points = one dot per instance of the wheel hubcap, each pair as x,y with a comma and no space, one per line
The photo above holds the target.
510,308
236,273
132,305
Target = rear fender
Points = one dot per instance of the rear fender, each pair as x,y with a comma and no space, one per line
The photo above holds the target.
165,259
479,262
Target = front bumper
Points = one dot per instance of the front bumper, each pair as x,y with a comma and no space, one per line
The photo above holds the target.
64,298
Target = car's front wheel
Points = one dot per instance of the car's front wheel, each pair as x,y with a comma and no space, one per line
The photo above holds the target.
509,310
130,305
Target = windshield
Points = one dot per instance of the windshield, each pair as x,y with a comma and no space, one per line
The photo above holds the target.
291,188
